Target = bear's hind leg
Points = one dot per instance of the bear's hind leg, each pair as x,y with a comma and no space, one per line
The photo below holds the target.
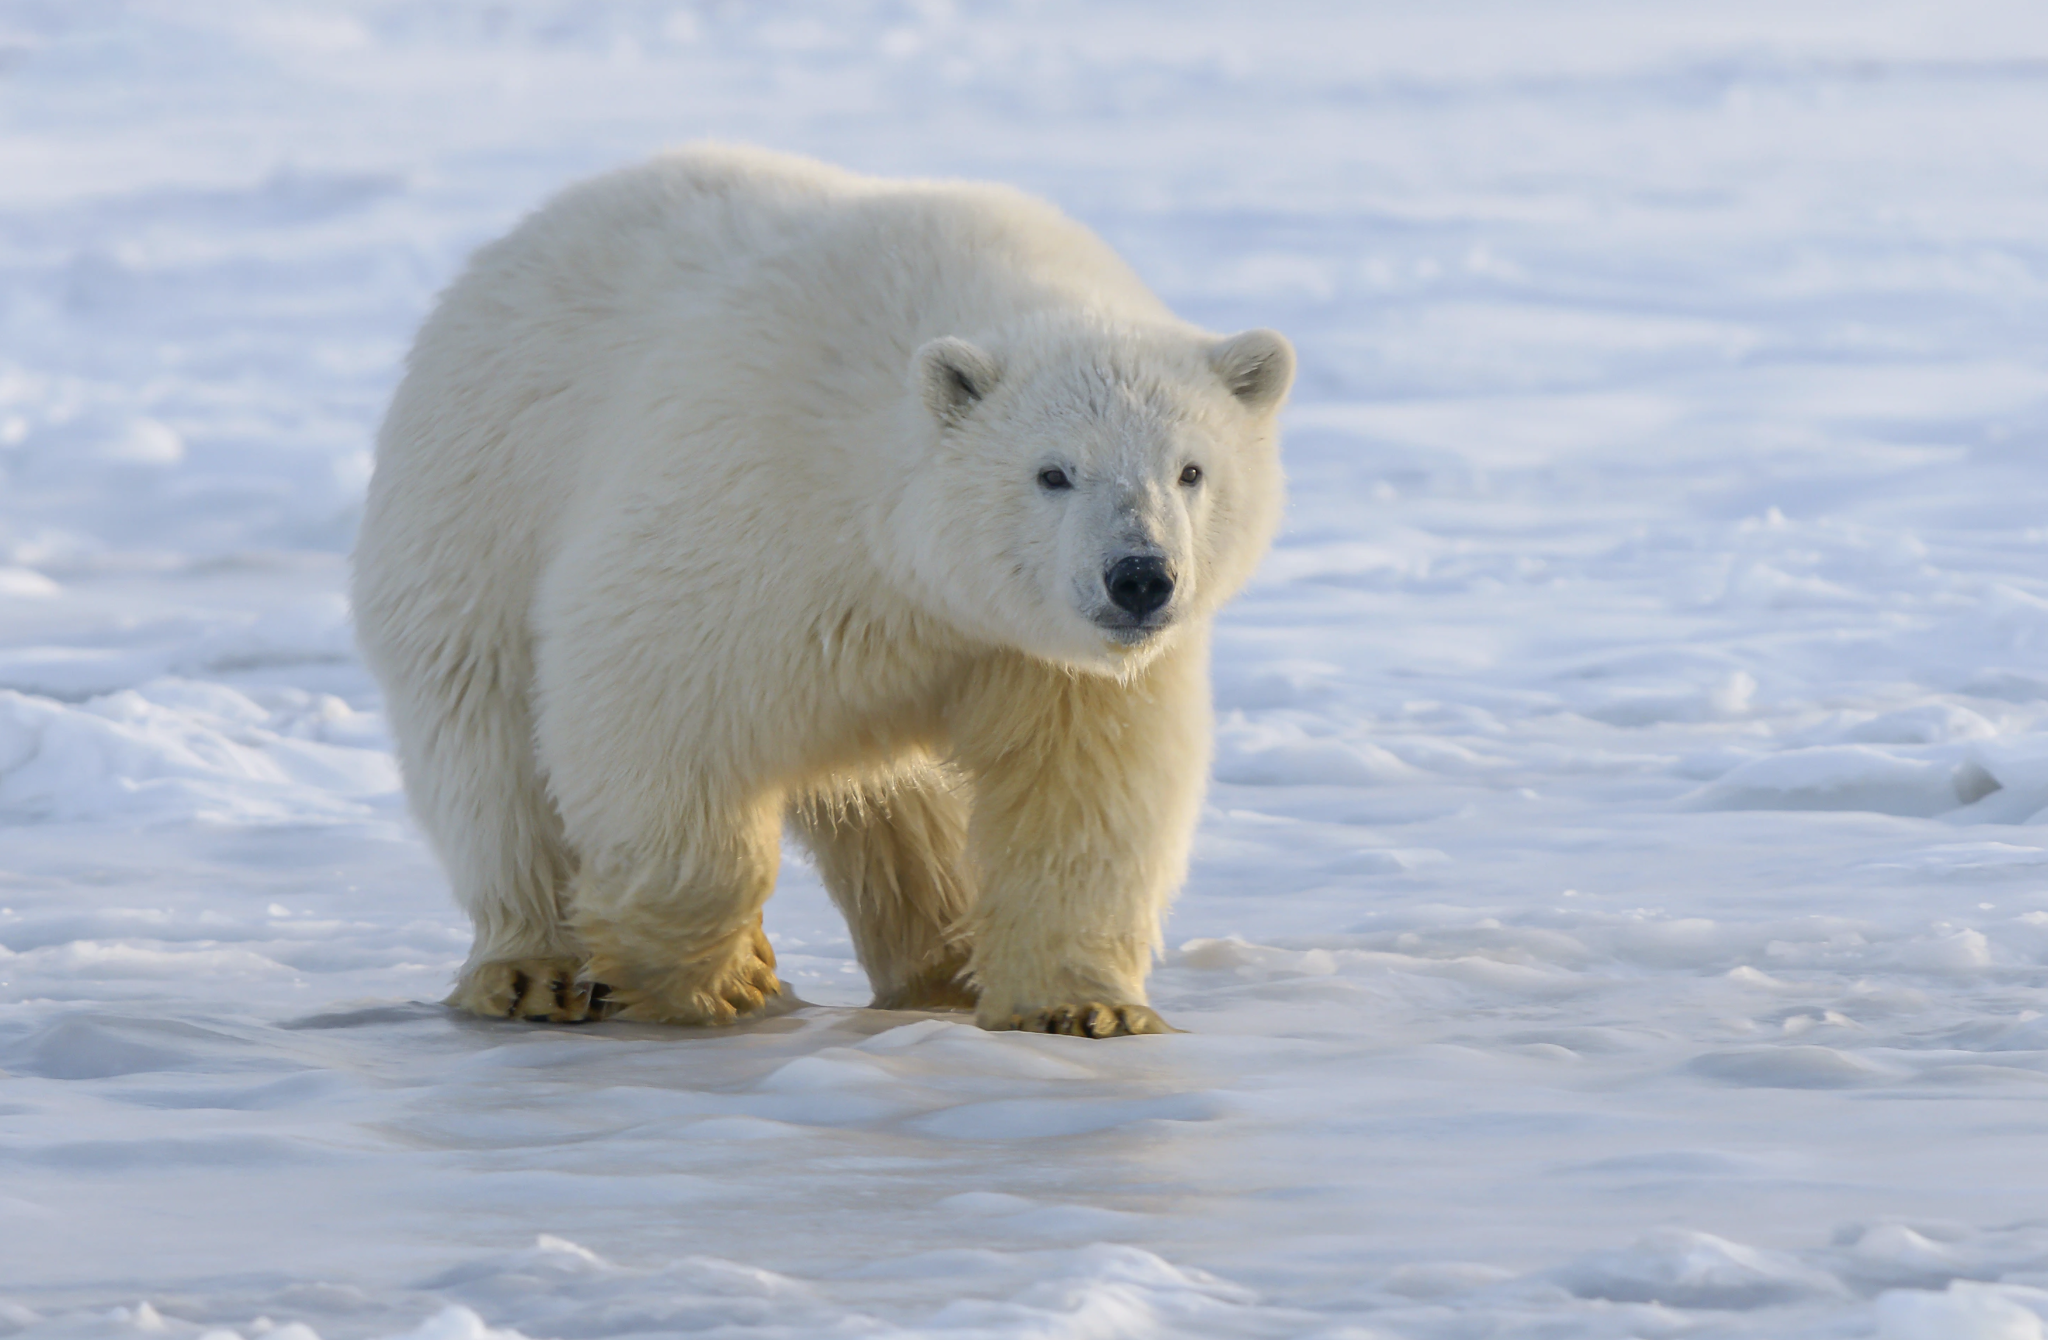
465,740
893,857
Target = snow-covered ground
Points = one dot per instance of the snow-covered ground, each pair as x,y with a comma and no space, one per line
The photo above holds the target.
1623,905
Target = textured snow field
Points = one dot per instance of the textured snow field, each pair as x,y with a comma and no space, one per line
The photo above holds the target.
1622,910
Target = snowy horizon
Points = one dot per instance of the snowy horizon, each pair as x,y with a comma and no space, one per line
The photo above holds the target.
1621,907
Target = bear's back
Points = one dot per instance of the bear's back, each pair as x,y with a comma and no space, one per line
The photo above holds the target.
735,225
690,335
729,271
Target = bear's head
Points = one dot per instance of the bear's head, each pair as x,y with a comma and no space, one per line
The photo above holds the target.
1089,491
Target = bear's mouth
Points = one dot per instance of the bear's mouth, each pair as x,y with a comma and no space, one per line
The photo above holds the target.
1126,630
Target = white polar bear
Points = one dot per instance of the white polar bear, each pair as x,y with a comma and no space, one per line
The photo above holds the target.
734,490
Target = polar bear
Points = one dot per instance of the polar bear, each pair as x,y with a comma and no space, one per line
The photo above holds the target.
735,491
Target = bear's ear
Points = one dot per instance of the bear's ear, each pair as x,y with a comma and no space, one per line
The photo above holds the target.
1257,366
952,376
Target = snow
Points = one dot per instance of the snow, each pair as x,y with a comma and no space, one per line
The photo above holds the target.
1622,909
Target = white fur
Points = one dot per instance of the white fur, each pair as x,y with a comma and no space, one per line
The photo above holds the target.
712,498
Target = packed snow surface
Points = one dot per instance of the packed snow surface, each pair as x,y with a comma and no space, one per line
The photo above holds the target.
1622,909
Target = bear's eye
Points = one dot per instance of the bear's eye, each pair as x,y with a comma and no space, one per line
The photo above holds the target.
1191,475
1054,479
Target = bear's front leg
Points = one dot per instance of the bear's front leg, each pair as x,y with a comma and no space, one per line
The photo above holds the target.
647,730
675,934
1087,791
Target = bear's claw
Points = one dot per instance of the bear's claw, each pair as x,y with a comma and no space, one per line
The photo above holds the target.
541,990
1089,1019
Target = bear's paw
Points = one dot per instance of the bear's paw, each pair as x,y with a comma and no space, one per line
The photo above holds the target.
542,990
1087,1019
736,982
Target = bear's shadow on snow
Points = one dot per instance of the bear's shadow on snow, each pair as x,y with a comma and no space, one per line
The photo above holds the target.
787,1015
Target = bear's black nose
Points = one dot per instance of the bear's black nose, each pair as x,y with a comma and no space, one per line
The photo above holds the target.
1139,584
